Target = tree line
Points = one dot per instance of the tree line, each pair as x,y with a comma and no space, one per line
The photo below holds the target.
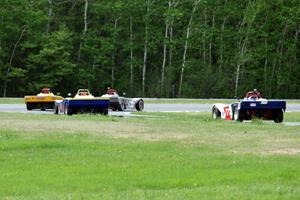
151,48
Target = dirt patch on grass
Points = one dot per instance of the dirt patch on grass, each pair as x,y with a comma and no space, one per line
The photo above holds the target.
120,129
284,152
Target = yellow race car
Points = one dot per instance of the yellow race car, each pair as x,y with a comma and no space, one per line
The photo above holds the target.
44,100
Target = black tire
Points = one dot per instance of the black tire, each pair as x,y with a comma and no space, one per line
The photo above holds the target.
139,105
216,114
104,111
122,107
56,109
43,109
68,110
278,116
237,115
29,106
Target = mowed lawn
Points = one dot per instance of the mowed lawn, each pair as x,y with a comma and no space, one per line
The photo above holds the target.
163,156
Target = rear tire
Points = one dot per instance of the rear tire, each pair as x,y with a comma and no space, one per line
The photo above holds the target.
56,109
237,116
68,110
278,118
216,114
29,106
104,111
139,105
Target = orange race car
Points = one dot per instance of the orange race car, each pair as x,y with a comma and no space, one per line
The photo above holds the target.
44,100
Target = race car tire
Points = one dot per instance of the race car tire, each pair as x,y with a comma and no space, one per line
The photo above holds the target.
56,109
216,114
278,116
139,105
122,107
29,106
237,115
68,110
104,111
114,109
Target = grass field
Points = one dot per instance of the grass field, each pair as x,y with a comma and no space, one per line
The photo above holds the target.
11,100
170,156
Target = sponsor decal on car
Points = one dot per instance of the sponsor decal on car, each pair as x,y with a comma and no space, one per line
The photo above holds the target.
227,113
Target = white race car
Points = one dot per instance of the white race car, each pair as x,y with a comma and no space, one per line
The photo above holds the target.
119,103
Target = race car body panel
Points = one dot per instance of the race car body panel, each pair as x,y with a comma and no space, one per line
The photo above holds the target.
225,111
255,105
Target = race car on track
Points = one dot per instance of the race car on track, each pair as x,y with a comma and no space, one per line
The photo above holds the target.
252,106
44,100
83,102
119,103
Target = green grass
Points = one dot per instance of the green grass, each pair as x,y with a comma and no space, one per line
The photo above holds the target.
172,156
11,100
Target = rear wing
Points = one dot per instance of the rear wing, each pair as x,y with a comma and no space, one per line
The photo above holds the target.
94,102
263,105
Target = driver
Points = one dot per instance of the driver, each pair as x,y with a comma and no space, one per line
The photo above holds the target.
255,94
46,91
111,91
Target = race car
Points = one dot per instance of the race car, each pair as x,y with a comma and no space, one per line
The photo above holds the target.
83,102
44,100
119,103
252,106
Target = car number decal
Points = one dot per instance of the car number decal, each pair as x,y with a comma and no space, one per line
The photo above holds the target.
227,113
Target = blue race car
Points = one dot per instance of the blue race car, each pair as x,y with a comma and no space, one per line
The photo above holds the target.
252,106
83,102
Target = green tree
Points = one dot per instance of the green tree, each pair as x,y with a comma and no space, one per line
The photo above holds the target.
52,66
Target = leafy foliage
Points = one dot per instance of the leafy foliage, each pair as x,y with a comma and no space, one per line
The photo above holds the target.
40,44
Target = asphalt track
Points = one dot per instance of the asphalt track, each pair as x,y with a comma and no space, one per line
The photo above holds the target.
20,108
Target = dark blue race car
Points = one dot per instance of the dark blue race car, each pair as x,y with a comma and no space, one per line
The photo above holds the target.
83,102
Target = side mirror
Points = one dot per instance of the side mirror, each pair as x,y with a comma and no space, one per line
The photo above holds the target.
58,94
124,93
69,94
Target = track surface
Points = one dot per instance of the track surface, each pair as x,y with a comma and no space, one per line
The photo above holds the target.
148,108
